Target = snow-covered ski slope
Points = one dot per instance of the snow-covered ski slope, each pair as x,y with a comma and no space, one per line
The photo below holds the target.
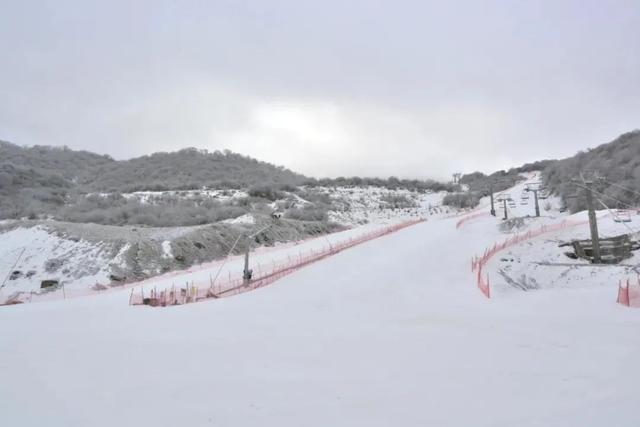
390,333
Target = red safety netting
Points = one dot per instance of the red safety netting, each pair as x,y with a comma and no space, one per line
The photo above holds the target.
629,292
202,291
469,218
483,284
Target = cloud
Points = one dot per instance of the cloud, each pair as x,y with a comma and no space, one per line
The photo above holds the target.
344,138
406,88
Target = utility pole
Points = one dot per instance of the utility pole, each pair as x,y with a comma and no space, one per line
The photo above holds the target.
535,196
593,223
247,273
493,207
504,199
492,184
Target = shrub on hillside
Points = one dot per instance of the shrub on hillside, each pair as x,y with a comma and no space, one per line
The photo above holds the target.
307,213
164,212
614,168
316,197
266,192
462,200
398,201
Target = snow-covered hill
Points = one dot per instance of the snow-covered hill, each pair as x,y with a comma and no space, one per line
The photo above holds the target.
85,256
391,332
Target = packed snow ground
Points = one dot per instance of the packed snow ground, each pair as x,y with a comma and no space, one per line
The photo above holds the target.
392,332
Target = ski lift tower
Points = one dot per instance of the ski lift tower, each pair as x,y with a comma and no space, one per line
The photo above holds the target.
247,273
534,188
504,198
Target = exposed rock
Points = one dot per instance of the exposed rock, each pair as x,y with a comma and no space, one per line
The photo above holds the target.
117,278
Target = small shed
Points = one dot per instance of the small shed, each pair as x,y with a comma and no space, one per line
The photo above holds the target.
48,284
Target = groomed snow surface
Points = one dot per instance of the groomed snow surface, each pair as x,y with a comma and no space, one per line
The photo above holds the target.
390,333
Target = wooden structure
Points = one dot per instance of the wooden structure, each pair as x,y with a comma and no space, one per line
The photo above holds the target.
613,250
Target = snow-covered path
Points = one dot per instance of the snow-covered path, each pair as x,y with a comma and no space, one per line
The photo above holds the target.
392,332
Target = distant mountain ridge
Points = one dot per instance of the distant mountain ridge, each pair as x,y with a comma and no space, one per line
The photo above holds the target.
60,183
42,180
47,160
189,168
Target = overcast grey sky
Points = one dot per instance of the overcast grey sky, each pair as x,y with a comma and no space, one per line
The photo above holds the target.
327,88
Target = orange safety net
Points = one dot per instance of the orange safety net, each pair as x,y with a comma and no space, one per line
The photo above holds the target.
204,291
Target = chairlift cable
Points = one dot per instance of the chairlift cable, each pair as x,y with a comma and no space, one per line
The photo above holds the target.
606,195
620,186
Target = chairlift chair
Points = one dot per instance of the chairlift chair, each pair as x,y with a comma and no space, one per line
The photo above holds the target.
622,216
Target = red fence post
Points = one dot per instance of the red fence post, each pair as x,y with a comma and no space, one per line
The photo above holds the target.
623,294
488,288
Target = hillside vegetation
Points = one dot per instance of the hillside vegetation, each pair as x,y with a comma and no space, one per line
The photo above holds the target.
79,186
614,168
187,169
479,185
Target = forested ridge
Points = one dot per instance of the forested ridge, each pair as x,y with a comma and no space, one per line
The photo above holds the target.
79,186
613,167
